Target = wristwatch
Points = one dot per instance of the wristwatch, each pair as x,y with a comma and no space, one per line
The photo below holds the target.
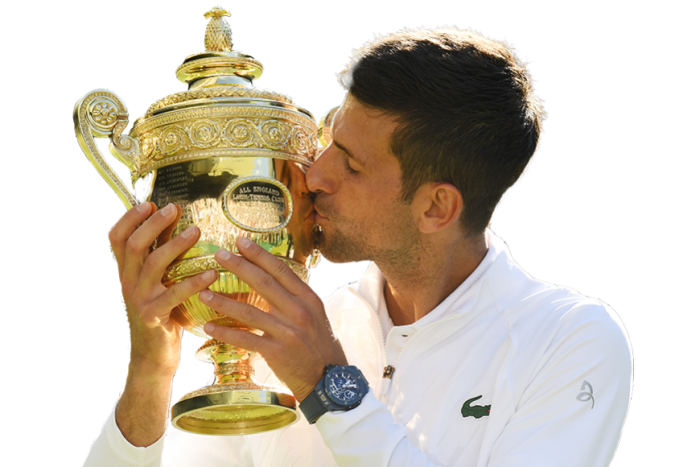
341,388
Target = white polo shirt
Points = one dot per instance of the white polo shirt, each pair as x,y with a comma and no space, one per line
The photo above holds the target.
506,371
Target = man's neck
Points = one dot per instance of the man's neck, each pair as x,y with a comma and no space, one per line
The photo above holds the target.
412,293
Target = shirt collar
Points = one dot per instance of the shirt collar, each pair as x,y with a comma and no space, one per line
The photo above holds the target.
371,286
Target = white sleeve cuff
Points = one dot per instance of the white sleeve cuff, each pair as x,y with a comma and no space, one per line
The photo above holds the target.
367,436
111,448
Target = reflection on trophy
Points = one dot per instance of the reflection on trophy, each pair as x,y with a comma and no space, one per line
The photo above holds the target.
234,158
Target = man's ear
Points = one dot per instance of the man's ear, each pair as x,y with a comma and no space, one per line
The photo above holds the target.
436,206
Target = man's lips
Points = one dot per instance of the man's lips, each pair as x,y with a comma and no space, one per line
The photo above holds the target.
310,214
318,212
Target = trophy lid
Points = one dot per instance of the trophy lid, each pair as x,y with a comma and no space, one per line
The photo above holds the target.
222,114
230,72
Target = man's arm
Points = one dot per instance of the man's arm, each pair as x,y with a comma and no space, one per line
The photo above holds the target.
141,413
568,411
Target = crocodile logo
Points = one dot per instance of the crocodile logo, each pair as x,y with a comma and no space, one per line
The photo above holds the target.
476,411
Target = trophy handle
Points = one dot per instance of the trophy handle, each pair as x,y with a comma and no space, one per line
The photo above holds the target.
324,127
102,114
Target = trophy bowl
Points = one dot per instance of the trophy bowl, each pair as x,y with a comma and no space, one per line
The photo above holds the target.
234,158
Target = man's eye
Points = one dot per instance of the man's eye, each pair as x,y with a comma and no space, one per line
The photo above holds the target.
350,169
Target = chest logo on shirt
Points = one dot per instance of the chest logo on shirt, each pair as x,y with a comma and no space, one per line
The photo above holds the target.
476,411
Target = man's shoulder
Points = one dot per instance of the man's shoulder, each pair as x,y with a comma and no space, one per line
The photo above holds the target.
534,307
563,309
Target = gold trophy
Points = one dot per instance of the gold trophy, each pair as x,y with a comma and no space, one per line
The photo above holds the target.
234,158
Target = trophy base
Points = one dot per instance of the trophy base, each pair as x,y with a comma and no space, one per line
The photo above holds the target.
234,409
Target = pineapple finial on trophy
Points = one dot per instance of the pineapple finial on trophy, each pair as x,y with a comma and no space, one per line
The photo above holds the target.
219,65
218,35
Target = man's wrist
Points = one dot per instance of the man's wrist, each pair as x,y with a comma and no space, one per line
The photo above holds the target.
341,388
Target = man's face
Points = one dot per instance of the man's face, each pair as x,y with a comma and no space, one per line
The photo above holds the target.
357,186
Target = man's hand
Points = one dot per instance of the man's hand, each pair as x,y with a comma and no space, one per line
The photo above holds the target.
298,341
155,338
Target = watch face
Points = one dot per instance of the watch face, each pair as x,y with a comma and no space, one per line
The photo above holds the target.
343,387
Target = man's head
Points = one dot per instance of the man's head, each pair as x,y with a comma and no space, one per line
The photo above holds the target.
456,121
465,109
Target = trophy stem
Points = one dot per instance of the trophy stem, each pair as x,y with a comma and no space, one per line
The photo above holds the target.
231,364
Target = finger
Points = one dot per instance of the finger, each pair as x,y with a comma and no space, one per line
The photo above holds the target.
138,246
272,265
178,293
167,234
270,275
157,261
125,227
237,337
258,279
247,314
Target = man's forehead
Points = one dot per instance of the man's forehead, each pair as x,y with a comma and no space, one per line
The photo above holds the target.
351,103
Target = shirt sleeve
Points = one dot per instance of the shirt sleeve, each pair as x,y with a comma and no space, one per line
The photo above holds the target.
570,411
111,448
177,449
367,436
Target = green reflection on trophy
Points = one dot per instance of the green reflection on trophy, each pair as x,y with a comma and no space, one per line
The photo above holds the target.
234,158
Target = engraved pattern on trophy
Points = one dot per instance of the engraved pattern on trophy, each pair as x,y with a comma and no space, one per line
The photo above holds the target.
234,158
248,130
215,92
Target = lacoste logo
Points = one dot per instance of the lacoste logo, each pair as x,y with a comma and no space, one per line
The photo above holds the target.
476,411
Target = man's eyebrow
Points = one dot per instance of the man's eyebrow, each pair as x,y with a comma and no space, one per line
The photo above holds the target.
344,149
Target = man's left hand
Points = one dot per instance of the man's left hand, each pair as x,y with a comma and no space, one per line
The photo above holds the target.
297,340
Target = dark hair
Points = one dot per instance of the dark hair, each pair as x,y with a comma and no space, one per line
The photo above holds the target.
465,109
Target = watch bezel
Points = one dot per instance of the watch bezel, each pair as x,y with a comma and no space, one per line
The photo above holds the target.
359,378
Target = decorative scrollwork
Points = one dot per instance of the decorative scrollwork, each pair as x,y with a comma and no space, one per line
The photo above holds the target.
240,132
231,130
172,139
103,113
275,134
300,141
147,145
204,134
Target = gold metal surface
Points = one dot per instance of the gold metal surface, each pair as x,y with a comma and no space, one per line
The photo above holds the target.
234,158
325,135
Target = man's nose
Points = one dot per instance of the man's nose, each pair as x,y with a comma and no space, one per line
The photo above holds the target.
318,177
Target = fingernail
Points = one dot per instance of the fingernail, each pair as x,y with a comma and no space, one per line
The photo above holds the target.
244,242
208,328
143,207
206,295
223,255
209,276
189,232
167,210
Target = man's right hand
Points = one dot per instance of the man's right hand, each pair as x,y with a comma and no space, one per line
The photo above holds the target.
155,338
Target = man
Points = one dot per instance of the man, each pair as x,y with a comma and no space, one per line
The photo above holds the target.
469,361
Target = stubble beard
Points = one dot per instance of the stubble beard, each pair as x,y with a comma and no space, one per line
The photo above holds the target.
346,242
340,248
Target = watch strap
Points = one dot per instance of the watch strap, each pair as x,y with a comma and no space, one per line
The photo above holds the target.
312,407
316,403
